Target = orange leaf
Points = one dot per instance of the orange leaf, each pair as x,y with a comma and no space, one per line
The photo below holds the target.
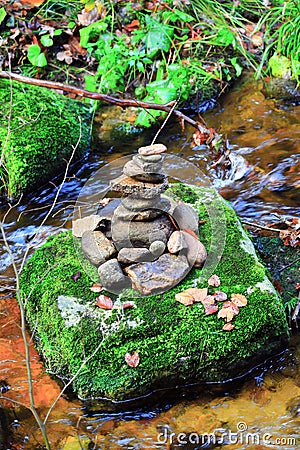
228,326
228,311
238,299
210,309
104,302
208,300
220,296
134,25
185,298
214,280
127,305
96,287
132,360
198,294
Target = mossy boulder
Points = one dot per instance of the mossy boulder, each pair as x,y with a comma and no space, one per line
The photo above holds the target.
38,130
177,344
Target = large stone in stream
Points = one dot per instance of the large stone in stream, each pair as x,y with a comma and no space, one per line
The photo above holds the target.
158,276
96,247
177,344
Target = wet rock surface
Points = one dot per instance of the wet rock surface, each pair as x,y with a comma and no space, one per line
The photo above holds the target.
97,247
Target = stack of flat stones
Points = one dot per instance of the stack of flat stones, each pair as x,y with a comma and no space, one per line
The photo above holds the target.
144,240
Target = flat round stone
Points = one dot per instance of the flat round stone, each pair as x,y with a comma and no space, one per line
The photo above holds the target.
126,214
134,255
140,204
152,167
138,189
154,149
151,158
133,170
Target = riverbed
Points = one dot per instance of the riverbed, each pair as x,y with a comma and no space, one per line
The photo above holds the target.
260,411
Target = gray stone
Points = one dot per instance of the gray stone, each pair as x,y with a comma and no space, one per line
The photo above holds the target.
125,214
96,247
149,167
154,149
89,223
157,248
152,158
158,276
186,218
131,169
112,277
176,243
196,253
140,204
138,189
134,255
140,234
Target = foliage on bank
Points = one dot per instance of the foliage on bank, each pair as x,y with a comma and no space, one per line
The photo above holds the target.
176,344
38,131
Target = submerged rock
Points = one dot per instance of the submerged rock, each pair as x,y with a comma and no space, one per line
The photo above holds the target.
177,344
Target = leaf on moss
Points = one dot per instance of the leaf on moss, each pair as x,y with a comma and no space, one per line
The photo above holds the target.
76,276
208,300
104,302
228,311
198,294
210,309
127,305
220,296
239,300
96,287
185,298
132,360
214,280
228,326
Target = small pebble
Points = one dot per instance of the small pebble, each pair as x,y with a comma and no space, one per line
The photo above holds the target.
157,248
154,149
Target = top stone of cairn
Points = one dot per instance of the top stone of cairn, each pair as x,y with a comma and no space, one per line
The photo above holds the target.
154,149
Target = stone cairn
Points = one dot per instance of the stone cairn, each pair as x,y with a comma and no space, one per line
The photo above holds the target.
143,240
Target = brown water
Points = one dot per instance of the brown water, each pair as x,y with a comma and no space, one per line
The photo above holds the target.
262,184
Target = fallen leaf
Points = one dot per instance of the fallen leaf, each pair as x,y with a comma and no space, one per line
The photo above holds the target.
134,25
132,360
96,288
220,296
297,286
238,299
76,276
208,300
127,305
88,16
105,201
210,309
198,294
104,302
214,280
228,311
228,326
184,298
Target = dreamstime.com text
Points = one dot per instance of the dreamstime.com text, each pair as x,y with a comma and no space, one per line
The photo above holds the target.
221,436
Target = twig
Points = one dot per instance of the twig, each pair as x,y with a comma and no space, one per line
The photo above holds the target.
255,225
164,123
289,265
297,309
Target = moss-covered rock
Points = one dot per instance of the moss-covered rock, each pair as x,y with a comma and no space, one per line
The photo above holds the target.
38,129
177,344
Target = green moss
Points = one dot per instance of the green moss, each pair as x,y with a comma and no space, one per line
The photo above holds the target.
176,344
43,126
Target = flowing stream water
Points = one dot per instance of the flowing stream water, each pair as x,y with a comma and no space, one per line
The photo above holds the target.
262,410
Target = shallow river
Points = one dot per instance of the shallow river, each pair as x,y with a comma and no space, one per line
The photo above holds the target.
261,411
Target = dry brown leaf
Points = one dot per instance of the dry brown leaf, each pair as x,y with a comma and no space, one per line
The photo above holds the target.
184,298
198,294
220,296
127,305
228,311
214,280
210,309
132,360
104,302
228,326
208,300
239,300
96,287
